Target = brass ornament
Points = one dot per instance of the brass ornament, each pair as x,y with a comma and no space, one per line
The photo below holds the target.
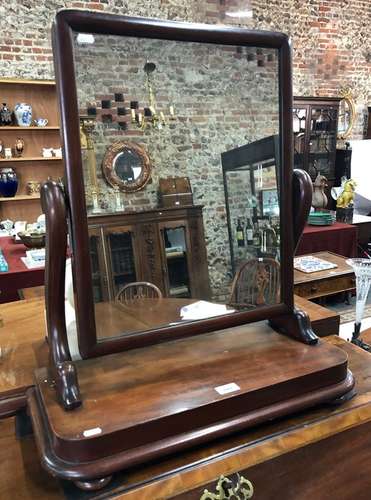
126,166
227,489
346,95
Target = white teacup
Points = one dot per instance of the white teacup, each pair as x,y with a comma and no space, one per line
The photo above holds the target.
57,152
47,152
41,122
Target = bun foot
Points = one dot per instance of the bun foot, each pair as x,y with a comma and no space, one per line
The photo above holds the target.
94,484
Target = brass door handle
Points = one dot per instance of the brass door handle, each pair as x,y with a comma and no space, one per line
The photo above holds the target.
238,488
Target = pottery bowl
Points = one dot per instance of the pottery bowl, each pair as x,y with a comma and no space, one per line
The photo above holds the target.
32,240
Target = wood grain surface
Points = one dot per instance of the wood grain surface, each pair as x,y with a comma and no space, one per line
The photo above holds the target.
300,454
23,348
170,388
22,340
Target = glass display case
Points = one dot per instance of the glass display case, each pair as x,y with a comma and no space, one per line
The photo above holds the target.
177,282
315,124
252,201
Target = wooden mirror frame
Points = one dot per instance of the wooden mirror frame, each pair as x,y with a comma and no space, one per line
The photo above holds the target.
283,315
109,171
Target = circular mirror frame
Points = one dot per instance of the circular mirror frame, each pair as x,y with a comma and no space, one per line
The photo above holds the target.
109,170
347,96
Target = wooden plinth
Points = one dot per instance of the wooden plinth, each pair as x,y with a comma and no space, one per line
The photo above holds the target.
153,401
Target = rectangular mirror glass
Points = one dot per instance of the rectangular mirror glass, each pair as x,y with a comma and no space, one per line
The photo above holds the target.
181,160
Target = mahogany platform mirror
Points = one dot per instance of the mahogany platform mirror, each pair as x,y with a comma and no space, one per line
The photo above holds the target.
204,245
207,104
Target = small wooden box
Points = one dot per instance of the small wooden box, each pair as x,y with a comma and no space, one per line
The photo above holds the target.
175,192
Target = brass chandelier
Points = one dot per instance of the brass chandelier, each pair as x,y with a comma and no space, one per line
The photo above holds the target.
151,117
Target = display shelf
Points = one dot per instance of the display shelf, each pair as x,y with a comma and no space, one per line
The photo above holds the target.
20,197
31,166
16,127
173,255
21,81
30,158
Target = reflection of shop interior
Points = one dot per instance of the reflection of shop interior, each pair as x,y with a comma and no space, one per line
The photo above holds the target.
174,322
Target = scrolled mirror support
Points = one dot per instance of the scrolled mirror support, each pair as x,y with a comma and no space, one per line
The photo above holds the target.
63,371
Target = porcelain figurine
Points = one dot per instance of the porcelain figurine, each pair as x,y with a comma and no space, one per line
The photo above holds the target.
33,187
319,199
41,122
1,149
8,182
346,198
57,152
19,147
6,117
8,153
7,225
23,114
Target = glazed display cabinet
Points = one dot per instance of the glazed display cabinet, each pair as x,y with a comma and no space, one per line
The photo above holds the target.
315,124
165,247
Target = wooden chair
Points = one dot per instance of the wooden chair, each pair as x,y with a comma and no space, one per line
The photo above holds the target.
138,290
256,283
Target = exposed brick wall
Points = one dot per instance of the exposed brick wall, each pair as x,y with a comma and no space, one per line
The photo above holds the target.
331,41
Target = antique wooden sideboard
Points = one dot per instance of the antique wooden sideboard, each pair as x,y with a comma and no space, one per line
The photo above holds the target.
164,246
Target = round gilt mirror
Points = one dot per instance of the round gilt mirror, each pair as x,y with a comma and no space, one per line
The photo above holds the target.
126,166
347,112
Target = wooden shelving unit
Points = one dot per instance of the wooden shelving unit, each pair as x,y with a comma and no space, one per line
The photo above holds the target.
32,166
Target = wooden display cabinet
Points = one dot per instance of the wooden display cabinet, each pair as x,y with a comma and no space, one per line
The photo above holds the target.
315,125
32,166
164,246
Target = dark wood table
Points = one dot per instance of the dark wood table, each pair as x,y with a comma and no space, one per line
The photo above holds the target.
338,238
324,321
320,453
324,283
18,276
363,224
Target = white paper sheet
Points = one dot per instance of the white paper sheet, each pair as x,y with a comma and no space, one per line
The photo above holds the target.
203,309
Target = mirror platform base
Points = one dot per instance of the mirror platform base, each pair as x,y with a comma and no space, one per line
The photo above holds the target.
296,325
216,384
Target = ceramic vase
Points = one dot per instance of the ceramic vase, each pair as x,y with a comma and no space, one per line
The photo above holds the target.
23,114
8,182
5,115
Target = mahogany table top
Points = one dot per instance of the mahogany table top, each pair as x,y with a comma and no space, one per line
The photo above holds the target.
113,318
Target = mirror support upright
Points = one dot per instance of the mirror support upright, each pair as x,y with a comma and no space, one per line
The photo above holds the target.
298,324
63,371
